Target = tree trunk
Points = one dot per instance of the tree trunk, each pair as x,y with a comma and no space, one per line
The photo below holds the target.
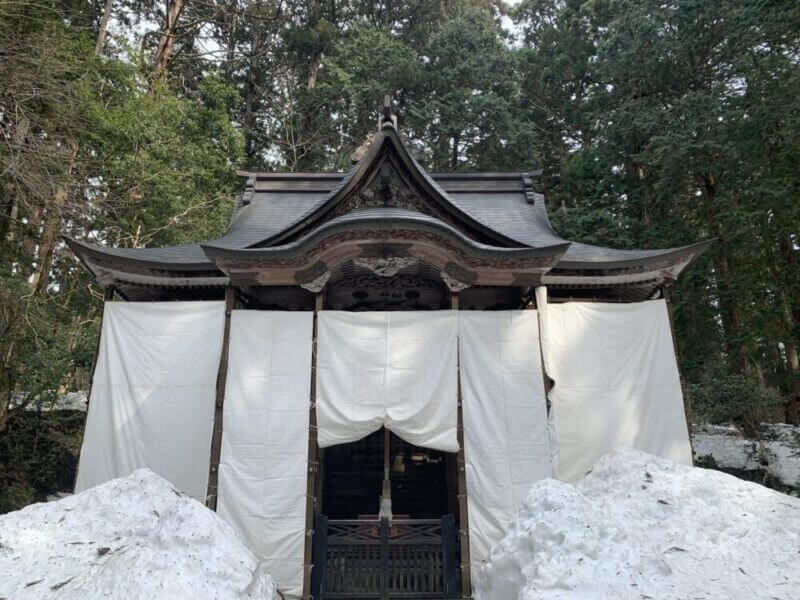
729,311
21,132
313,69
8,316
164,50
301,145
52,223
12,215
101,32
250,100
314,17
793,358
791,320
782,271
230,50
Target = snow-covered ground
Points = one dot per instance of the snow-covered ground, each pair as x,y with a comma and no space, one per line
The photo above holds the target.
134,537
778,452
68,401
640,527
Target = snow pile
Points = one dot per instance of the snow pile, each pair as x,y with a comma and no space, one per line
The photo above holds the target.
642,527
726,445
778,452
70,401
133,537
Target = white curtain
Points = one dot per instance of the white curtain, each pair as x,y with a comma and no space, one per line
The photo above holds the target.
264,459
393,369
152,399
616,383
505,420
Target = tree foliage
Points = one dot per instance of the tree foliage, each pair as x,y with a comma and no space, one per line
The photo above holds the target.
669,123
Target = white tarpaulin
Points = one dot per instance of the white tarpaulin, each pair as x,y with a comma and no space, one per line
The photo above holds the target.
505,419
152,399
393,369
616,383
264,459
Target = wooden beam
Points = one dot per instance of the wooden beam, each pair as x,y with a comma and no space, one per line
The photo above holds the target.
222,375
463,505
313,456
548,382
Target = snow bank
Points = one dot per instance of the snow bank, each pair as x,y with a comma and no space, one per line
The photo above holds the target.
133,537
641,527
777,453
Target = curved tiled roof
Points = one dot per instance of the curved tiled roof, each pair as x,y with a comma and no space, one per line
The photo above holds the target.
387,218
279,207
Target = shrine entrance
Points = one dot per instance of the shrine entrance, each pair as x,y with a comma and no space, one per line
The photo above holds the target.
387,525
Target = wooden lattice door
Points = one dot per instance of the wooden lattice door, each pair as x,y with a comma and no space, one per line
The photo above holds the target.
385,560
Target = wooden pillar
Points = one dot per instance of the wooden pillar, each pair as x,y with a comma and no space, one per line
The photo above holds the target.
449,556
313,457
320,543
548,382
222,375
384,530
666,293
463,508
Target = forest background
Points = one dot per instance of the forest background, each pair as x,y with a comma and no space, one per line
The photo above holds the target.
655,124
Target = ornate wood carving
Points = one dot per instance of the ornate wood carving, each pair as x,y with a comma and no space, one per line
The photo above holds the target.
361,151
453,284
401,282
363,290
386,267
388,189
318,284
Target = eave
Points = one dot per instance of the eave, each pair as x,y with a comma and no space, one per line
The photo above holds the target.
110,268
386,234
656,268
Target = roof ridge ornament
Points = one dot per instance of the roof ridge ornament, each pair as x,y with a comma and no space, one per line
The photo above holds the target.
527,186
360,152
386,118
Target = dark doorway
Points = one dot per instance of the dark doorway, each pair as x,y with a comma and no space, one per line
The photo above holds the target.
413,554
423,481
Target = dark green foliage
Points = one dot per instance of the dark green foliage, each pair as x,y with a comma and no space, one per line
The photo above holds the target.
721,397
468,106
91,150
168,163
38,456
663,124
367,64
